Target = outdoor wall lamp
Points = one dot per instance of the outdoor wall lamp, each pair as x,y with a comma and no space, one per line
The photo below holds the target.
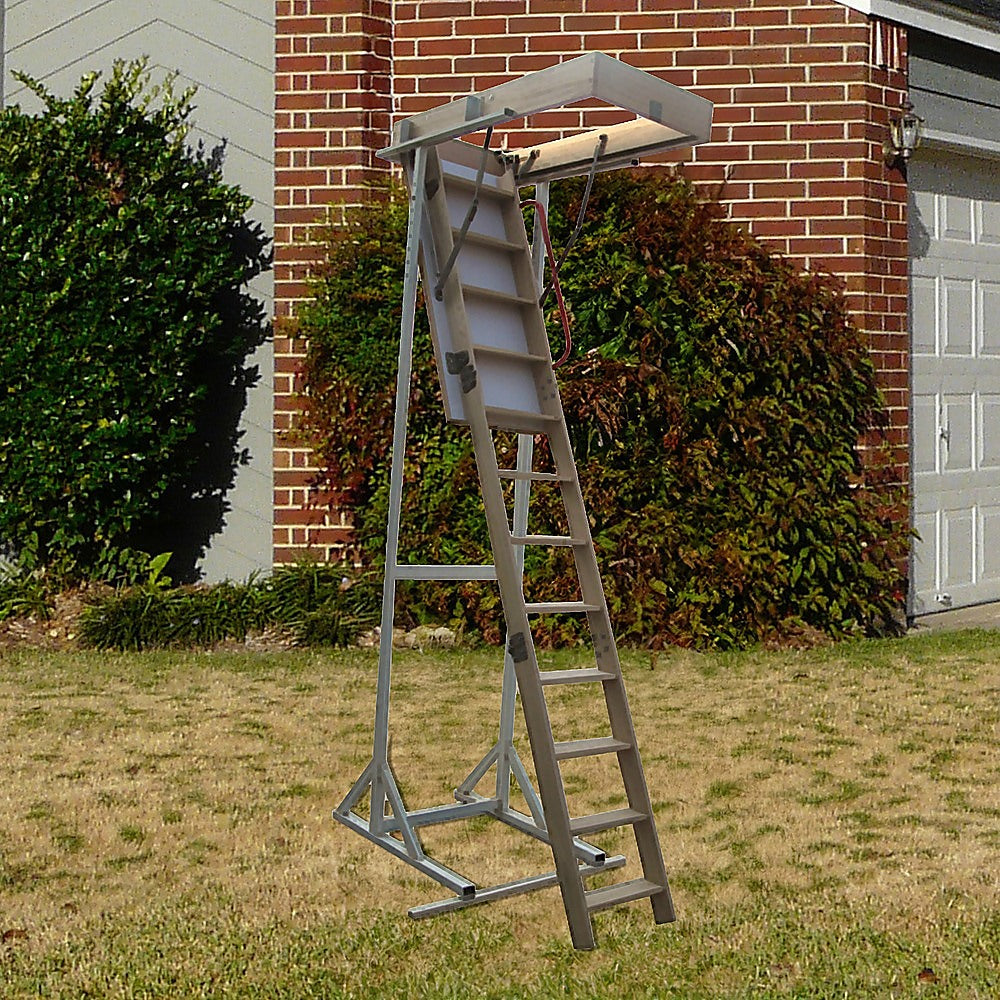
904,137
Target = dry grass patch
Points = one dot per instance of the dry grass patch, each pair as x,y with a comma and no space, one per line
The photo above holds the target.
830,819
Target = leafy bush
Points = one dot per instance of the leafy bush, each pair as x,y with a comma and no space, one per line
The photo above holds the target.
715,400
124,328
314,605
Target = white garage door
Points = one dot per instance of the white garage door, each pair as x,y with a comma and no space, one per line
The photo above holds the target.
955,323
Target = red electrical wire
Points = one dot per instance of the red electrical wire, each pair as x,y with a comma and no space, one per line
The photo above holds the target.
563,315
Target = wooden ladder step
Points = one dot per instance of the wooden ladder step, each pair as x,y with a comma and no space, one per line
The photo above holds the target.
622,892
568,749
559,607
552,540
495,295
486,240
605,821
579,676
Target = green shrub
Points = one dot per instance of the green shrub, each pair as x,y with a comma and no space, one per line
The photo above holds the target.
715,399
314,605
124,328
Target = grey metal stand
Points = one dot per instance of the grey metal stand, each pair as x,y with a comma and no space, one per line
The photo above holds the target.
496,373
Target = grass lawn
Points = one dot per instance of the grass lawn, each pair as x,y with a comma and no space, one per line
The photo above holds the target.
830,820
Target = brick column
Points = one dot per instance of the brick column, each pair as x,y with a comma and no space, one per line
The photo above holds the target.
803,93
333,109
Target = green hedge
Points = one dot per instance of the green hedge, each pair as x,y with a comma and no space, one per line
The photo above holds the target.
715,398
310,604
125,325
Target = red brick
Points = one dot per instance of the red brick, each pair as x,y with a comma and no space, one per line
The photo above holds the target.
530,63
815,208
527,25
723,75
756,171
445,8
779,74
504,7
703,57
501,43
778,189
485,27
779,36
703,19
555,43
834,34
553,7
760,133
777,227
779,113
724,37
761,95
617,42
601,22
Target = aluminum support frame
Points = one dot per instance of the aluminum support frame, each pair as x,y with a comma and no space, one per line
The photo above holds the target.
389,825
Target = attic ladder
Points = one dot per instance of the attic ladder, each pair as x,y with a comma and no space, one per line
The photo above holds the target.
495,367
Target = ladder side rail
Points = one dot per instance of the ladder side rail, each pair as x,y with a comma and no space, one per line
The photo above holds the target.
380,742
522,499
509,577
616,699
599,619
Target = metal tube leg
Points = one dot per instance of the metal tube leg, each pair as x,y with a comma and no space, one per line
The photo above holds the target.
380,745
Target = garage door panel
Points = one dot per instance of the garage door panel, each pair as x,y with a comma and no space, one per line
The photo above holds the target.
989,222
958,304
957,542
925,413
955,323
989,431
990,558
956,218
924,292
923,565
924,209
989,313
957,432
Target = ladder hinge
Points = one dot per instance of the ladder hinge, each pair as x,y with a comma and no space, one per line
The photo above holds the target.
455,361
517,644
458,363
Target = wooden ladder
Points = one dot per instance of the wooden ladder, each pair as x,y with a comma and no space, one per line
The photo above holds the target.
495,365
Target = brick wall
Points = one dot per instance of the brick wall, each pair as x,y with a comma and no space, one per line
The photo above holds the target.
803,92
333,110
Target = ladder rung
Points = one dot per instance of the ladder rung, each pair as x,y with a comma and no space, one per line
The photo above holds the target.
605,821
559,607
469,184
553,540
498,296
486,240
519,420
534,477
507,354
411,571
589,748
622,892
582,676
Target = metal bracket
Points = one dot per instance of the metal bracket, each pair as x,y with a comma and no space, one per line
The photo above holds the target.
455,361
518,646
458,363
